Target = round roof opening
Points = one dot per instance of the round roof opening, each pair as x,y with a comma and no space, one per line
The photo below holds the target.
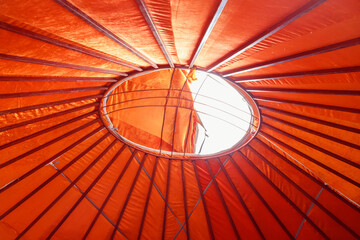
180,113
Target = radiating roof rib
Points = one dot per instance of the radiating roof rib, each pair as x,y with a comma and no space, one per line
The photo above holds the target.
208,221
278,220
313,200
312,119
270,31
214,19
241,199
308,104
59,64
154,30
298,74
228,214
76,11
166,201
314,132
50,104
51,159
293,57
185,200
109,195
47,117
16,205
301,170
293,205
153,174
129,195
66,189
333,171
66,45
320,149
306,91
83,195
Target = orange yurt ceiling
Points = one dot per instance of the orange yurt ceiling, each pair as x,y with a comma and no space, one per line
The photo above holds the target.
66,172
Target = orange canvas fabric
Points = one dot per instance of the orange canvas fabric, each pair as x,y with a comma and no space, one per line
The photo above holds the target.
298,178
167,109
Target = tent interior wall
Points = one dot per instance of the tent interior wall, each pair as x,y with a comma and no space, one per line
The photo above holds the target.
65,175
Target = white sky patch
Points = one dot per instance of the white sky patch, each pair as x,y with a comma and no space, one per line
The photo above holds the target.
224,112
